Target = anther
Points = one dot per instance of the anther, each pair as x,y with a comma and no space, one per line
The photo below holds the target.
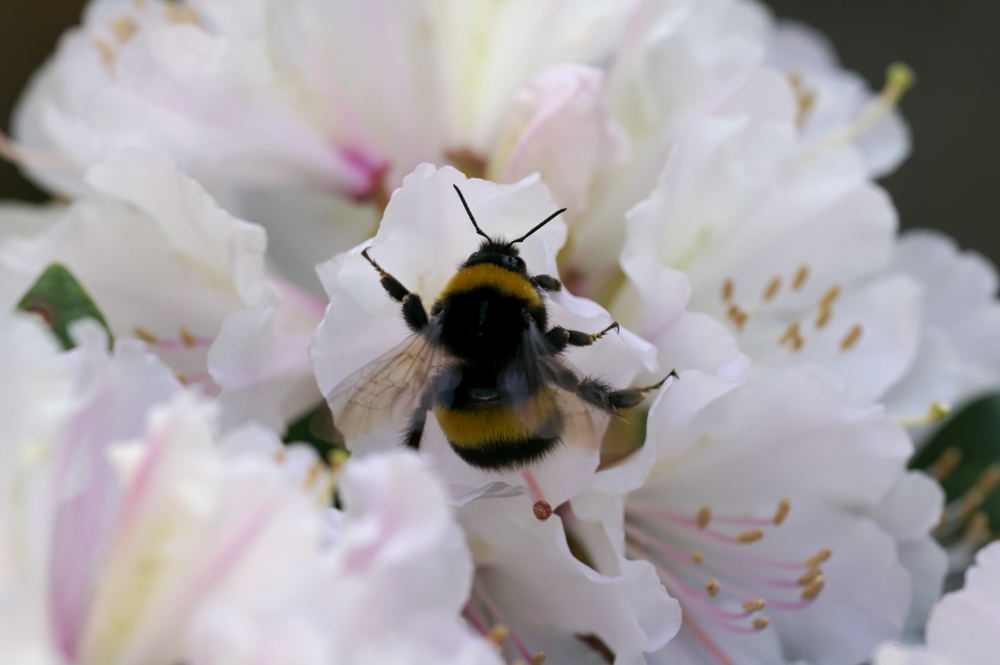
106,53
697,557
542,510
312,475
805,98
809,576
945,463
824,316
713,587
819,557
180,12
976,495
279,455
145,335
181,376
538,658
704,517
811,591
754,605
751,536
760,623
727,290
497,634
124,28
782,512
792,336
800,277
737,316
772,288
829,296
187,337
851,338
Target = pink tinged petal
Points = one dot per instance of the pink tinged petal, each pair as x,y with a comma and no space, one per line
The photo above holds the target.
561,126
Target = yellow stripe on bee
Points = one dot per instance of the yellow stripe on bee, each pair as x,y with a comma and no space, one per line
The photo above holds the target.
489,275
468,428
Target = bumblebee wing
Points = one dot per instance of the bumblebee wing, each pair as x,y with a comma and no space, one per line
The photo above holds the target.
554,388
388,389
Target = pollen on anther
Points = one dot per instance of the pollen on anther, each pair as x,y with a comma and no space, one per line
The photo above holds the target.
851,338
181,376
781,512
124,27
813,589
755,605
106,53
697,557
800,277
829,296
312,475
538,658
809,576
145,335
187,337
772,288
180,12
946,463
727,290
751,536
760,623
704,517
819,557
497,634
824,316
737,316
713,587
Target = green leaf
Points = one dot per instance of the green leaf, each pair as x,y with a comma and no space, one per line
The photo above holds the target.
964,455
60,300
316,429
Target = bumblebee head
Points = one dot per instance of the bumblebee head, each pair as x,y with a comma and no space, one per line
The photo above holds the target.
500,253
496,250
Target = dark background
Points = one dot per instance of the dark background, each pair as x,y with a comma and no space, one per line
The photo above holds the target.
948,183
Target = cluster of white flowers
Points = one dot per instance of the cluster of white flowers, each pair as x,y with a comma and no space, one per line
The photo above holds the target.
211,158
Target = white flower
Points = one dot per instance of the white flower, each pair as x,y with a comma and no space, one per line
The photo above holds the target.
835,105
958,354
527,580
770,511
791,251
963,628
127,541
166,264
290,109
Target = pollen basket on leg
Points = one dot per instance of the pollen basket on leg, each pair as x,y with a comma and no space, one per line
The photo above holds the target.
721,566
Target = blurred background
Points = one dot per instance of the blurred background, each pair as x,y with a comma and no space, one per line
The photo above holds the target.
947,183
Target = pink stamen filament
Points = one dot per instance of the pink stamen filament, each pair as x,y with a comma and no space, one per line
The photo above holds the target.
648,540
176,344
643,509
498,617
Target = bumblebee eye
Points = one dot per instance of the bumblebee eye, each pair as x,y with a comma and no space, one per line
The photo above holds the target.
513,262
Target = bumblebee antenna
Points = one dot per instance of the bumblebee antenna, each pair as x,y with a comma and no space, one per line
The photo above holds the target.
540,224
469,211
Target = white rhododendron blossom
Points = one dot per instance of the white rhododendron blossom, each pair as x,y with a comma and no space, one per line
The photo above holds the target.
964,628
132,533
769,510
167,265
690,186
792,254
291,111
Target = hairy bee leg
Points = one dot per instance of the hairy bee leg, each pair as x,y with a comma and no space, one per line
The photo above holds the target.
413,307
560,337
602,395
547,282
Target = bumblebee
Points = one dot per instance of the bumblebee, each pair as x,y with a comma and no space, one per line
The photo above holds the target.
486,362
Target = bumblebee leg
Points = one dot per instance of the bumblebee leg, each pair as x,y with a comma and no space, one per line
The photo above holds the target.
415,430
602,395
547,282
560,337
413,307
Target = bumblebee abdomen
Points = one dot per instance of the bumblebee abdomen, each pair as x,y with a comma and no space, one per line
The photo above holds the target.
499,436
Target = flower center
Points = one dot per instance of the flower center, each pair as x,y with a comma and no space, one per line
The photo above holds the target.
795,335
710,564
185,341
